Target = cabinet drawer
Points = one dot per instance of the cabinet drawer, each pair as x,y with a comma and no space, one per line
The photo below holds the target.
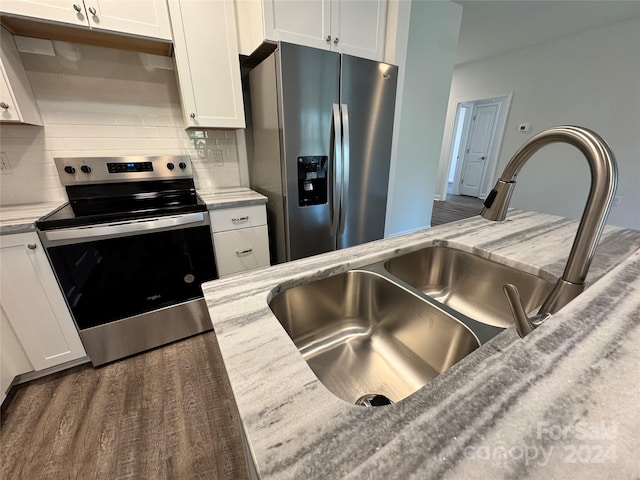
240,250
239,217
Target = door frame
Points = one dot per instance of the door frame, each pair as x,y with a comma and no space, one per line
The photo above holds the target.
464,139
449,141
492,137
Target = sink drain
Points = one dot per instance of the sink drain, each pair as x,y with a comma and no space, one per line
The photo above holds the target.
373,400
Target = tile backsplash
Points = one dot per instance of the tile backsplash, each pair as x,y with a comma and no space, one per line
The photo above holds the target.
104,102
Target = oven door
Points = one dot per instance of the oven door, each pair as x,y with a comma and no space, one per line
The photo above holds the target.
109,272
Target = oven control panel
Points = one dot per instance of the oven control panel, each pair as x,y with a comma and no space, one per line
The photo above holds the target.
90,170
122,167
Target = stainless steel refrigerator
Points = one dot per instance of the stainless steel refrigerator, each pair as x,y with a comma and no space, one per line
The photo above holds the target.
322,124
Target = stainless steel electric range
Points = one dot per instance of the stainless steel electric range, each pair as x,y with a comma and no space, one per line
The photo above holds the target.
130,251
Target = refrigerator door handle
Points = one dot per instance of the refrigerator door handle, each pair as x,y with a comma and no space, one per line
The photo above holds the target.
344,193
335,167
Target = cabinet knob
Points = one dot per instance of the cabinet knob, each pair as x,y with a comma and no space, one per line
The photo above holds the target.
4,106
244,252
240,219
32,246
77,7
335,41
192,115
328,39
93,11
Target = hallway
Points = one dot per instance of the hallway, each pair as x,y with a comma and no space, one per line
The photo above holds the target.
455,207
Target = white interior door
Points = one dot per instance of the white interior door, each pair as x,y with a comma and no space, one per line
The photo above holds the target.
463,122
481,136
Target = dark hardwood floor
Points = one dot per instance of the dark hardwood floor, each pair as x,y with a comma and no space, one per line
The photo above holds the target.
455,207
164,414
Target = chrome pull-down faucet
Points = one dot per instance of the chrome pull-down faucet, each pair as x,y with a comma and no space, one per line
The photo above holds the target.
604,179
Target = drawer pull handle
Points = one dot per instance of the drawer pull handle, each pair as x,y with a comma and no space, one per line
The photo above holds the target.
240,219
244,252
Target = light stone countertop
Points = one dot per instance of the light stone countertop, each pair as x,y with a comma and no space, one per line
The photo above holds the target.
561,403
21,218
232,197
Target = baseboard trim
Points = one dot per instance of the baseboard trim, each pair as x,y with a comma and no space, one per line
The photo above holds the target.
35,375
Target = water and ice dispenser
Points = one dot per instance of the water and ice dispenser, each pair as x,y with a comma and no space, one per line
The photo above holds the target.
312,180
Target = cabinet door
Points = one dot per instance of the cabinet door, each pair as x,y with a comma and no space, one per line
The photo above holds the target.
240,250
149,18
65,11
17,103
358,27
238,217
33,303
207,62
13,360
300,22
8,106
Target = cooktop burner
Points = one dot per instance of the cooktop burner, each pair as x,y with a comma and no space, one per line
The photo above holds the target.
123,188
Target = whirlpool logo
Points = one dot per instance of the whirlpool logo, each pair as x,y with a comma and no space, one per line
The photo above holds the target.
154,297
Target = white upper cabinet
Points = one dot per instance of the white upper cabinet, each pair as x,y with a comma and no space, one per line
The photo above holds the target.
354,27
70,12
358,27
17,104
303,23
207,63
147,18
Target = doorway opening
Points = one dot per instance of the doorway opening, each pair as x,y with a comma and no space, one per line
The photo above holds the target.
476,137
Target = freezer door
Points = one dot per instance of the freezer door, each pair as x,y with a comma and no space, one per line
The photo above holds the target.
309,87
369,91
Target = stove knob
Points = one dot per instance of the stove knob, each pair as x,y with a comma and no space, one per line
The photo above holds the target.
170,166
69,169
85,169
182,165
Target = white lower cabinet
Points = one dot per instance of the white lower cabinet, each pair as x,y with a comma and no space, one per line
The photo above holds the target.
240,250
240,238
33,304
13,360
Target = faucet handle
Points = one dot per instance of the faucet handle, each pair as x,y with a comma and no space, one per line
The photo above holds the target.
524,324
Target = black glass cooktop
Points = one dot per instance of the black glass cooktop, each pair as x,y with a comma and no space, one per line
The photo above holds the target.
93,204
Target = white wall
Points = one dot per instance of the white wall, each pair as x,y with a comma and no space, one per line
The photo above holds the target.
105,102
591,79
430,56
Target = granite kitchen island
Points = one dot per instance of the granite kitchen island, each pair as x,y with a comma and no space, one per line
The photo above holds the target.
561,403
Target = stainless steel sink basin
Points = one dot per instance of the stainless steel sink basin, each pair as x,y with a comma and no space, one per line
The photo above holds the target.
363,335
467,283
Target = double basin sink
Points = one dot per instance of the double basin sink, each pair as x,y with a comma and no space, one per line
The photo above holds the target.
376,334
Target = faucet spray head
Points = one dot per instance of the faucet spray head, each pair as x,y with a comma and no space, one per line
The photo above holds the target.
497,202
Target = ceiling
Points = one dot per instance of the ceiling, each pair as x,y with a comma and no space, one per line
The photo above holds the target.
491,27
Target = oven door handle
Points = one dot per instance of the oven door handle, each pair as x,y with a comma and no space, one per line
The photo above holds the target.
146,225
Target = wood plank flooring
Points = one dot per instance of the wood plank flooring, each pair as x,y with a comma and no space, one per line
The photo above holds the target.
164,414
455,207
